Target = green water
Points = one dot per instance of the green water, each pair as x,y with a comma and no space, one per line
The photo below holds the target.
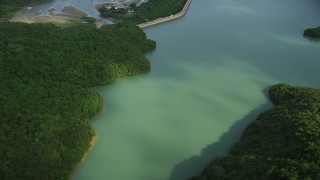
209,77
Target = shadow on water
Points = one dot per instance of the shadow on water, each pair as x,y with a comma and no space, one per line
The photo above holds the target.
194,165
312,39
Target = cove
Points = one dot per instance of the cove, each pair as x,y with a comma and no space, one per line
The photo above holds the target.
209,75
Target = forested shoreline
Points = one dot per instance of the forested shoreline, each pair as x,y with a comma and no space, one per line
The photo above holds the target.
312,32
151,10
45,104
282,143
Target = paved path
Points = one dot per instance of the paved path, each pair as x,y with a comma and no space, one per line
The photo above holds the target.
168,18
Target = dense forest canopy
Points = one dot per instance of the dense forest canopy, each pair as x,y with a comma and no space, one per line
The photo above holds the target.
81,55
7,7
45,106
148,11
44,129
282,143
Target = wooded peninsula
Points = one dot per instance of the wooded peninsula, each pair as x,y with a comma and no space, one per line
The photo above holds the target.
312,32
282,143
45,72
151,10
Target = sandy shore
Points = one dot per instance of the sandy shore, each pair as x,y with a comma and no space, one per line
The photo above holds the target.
91,145
86,154
168,18
73,11
98,6
99,23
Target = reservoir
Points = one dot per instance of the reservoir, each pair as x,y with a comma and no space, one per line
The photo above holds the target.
210,74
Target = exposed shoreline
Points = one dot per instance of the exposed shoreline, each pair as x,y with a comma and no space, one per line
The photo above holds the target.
168,18
68,14
92,144
70,10
86,154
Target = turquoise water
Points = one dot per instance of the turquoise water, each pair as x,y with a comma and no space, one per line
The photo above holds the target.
209,77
